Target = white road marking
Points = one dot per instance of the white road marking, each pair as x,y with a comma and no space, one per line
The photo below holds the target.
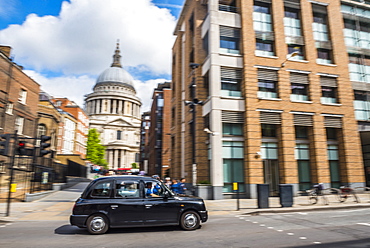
290,234
302,213
254,222
279,230
262,225
2,226
270,227
317,242
302,238
364,224
355,210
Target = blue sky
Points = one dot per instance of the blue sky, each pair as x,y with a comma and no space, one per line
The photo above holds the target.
65,45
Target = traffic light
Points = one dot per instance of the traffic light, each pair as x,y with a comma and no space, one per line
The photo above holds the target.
4,144
44,145
22,149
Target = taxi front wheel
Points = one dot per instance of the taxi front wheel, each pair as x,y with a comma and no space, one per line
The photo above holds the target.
190,220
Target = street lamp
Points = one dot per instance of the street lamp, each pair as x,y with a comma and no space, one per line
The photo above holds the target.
293,54
192,104
210,132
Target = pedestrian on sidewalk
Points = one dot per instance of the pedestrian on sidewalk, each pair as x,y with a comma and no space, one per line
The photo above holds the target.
175,186
182,186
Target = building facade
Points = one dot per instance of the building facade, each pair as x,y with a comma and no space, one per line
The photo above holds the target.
82,124
277,92
159,158
144,141
114,110
19,97
49,120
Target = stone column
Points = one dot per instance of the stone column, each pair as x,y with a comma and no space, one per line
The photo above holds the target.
110,159
114,107
119,107
109,104
98,102
122,158
116,158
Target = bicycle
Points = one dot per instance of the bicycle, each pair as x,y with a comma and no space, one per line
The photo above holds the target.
313,196
345,192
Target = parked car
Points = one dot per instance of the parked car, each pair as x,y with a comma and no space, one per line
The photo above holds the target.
134,201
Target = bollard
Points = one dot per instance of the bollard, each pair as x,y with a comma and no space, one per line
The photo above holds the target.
286,195
263,195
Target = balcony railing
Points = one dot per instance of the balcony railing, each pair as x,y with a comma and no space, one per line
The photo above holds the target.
227,8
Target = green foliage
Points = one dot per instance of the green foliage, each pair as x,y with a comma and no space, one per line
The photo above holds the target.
204,182
94,150
134,166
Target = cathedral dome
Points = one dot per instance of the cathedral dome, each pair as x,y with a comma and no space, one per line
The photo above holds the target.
115,74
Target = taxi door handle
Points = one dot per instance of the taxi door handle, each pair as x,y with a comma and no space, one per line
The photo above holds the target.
114,206
148,206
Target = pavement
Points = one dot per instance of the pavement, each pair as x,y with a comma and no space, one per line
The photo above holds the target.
58,206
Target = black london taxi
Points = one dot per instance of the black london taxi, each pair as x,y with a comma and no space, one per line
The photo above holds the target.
134,201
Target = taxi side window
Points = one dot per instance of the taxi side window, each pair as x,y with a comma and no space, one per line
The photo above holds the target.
102,189
127,189
153,189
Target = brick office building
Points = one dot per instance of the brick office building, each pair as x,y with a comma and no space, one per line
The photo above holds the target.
19,97
284,93
159,139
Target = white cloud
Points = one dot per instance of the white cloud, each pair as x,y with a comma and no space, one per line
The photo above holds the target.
82,38
79,44
145,91
75,87
72,87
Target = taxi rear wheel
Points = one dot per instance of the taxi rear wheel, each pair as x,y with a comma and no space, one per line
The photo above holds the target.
190,220
97,224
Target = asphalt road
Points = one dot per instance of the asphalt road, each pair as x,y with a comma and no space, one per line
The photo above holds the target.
45,223
349,228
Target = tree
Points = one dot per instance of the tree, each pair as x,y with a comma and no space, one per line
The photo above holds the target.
94,150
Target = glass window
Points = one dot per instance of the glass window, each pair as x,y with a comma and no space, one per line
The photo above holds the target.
232,149
230,82
331,133
267,89
329,94
296,48
229,40
269,150
127,189
233,172
362,105
41,130
19,124
9,108
292,24
302,152
323,56
304,174
299,92
301,132
102,189
154,189
232,129
264,48
269,130
119,135
22,96
229,45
